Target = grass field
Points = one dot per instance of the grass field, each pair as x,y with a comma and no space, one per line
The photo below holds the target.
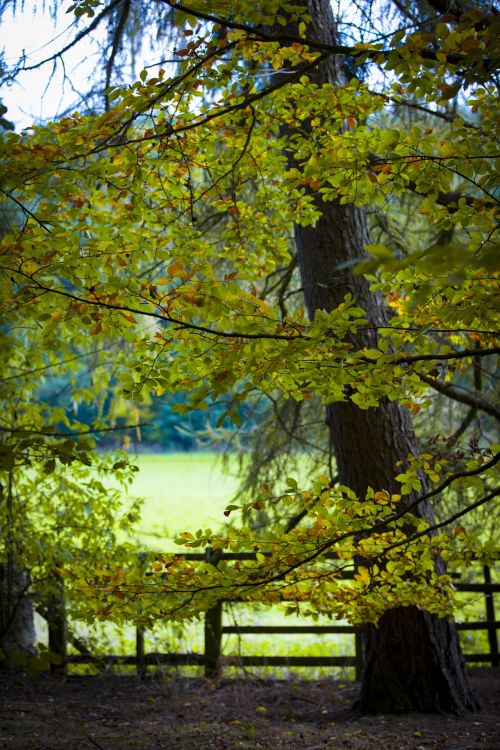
181,492
186,491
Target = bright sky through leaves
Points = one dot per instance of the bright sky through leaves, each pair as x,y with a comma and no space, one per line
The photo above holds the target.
48,92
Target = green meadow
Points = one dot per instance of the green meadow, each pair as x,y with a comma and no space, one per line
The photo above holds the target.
181,492
186,491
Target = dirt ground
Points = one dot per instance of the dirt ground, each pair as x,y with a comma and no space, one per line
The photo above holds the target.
122,712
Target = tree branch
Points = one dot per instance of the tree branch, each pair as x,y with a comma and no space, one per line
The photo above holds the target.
448,116
117,38
468,419
165,317
441,524
46,433
382,526
462,395
450,355
116,142
44,224
261,35
78,38
52,365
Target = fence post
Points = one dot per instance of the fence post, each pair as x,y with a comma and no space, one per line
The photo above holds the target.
140,663
358,645
56,619
490,619
213,626
140,654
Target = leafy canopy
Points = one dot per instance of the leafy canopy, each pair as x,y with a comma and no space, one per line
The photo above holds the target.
141,241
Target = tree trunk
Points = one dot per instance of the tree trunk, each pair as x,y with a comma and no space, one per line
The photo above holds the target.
412,659
17,629
413,662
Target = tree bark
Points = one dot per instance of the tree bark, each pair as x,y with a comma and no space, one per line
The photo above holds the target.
412,659
17,629
413,662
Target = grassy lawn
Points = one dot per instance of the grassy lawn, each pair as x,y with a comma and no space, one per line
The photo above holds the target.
181,492
186,491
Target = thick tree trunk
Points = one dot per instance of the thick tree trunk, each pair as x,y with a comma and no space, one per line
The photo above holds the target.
412,659
414,663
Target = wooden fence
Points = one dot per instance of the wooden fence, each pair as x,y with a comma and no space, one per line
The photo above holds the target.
212,658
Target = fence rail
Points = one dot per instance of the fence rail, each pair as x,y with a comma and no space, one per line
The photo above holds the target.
212,658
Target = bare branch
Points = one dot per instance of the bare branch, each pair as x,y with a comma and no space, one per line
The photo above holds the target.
78,38
117,38
450,355
462,395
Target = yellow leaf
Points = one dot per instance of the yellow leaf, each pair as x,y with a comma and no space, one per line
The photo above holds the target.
128,316
174,268
363,575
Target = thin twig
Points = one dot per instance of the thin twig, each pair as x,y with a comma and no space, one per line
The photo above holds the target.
94,742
